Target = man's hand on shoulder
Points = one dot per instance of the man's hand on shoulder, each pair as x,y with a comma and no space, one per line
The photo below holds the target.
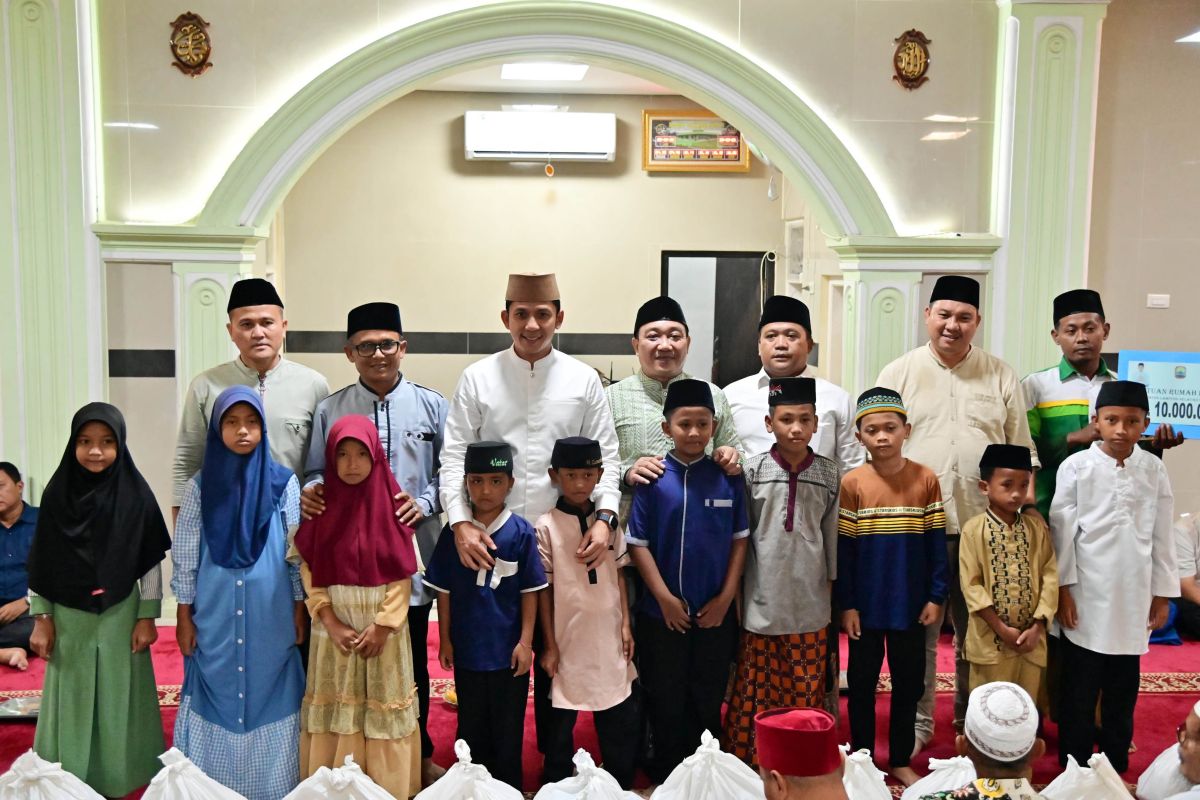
473,544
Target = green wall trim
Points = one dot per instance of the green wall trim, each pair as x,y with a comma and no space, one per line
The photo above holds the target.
895,248
179,239
202,292
1053,126
43,271
283,148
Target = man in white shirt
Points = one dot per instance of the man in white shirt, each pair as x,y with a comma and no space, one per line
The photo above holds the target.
784,344
1175,773
960,399
1111,519
529,396
289,391
1187,546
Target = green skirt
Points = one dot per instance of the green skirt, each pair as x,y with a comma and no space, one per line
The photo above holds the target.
99,715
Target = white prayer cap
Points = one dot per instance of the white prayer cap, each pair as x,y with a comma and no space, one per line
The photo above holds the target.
1001,721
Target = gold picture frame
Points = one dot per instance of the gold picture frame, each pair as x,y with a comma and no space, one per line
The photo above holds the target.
691,140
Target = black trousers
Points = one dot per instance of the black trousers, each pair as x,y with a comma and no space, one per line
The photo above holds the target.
1088,676
684,676
418,632
17,632
1187,618
542,707
491,720
905,652
618,730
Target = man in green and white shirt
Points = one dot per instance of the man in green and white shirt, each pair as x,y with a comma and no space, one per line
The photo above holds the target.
661,342
1061,398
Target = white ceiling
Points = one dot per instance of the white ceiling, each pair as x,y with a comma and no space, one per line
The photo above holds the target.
597,81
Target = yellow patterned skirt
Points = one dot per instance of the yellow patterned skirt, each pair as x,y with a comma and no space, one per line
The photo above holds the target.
361,707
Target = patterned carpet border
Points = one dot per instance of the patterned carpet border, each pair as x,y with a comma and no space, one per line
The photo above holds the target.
1151,683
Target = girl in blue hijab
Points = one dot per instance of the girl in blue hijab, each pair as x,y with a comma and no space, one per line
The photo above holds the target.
241,611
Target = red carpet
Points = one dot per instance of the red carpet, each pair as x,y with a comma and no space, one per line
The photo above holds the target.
1171,685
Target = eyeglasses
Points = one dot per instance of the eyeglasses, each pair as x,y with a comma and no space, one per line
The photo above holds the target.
367,349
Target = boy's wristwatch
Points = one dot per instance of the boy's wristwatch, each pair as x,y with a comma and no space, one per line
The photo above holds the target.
609,518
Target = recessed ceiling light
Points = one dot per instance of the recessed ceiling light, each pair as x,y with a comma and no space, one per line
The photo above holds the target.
944,136
543,71
1191,38
140,126
532,107
949,118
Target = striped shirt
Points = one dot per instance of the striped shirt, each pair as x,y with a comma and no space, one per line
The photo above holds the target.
1060,401
891,545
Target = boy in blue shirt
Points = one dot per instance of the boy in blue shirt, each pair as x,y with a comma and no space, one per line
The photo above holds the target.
486,617
687,535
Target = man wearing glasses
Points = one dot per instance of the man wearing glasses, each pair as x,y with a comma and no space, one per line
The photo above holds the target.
410,419
1175,774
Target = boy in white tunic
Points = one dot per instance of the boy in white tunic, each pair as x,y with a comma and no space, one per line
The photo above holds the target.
585,622
1111,520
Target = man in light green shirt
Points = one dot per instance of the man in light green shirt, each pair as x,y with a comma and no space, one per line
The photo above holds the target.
290,391
661,342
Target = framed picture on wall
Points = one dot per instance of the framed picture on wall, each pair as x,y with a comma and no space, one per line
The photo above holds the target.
691,140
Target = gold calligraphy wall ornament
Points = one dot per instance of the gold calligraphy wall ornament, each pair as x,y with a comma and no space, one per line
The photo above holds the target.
911,59
190,44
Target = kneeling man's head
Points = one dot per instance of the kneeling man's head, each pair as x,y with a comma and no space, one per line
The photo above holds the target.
798,755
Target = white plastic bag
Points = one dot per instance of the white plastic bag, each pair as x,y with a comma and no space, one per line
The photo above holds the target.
1097,781
588,783
862,779
467,781
347,782
1162,779
709,774
180,779
33,778
945,775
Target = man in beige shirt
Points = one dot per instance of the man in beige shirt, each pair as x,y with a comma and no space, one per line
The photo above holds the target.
289,391
960,399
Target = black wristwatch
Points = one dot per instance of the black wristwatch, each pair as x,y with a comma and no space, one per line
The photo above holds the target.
609,518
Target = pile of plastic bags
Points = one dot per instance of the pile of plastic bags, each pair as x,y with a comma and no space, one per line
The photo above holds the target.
180,779
945,775
347,782
1097,781
710,774
588,783
468,781
862,779
34,778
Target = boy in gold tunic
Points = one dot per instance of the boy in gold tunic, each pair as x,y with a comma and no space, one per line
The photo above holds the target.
1009,576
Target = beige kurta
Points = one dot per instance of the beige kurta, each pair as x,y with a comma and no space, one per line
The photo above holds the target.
956,412
1011,568
593,674
362,707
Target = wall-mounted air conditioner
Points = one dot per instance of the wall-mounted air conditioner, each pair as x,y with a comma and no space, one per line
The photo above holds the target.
540,136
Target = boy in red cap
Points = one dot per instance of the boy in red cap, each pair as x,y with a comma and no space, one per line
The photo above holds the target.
798,754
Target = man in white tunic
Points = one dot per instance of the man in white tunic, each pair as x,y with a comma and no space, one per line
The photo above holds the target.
289,391
784,344
1111,520
529,396
960,399
1175,774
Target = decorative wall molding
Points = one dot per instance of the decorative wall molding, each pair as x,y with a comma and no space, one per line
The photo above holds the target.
44,275
201,339
729,83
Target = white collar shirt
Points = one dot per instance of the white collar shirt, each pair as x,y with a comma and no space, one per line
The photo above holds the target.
834,437
1112,528
504,398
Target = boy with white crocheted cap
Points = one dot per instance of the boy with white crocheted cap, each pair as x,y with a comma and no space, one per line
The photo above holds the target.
1000,737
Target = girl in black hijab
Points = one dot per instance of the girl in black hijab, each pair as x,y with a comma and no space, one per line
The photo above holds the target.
95,575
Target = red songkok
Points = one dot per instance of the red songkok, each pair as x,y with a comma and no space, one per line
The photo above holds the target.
797,742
